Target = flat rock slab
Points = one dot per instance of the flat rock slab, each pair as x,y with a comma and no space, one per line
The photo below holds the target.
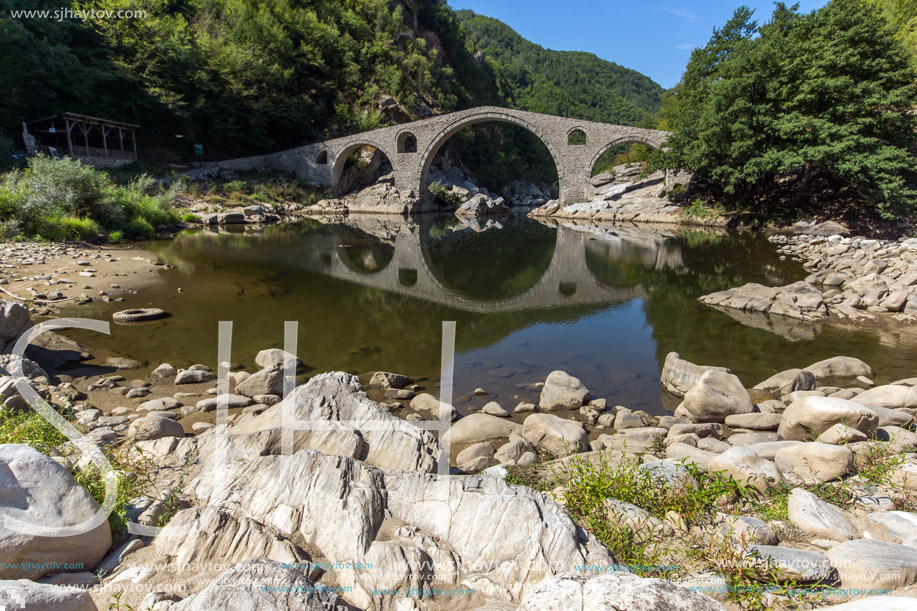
792,564
816,517
900,524
867,563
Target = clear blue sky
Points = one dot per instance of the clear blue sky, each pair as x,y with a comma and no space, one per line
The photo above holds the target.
654,37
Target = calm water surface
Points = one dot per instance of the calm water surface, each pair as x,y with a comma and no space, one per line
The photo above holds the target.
603,303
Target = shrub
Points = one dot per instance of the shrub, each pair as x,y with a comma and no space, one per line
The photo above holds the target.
115,237
188,217
442,194
68,227
142,227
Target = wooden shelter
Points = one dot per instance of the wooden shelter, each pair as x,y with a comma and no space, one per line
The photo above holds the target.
84,137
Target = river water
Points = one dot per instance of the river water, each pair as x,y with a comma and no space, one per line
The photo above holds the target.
603,303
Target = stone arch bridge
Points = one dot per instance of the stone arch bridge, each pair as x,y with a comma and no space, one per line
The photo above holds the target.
575,146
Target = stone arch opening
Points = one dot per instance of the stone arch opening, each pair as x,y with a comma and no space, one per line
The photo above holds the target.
407,142
359,165
620,167
430,152
363,253
616,147
322,158
576,137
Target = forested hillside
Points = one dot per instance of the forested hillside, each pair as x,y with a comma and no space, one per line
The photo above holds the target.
245,76
565,83
241,75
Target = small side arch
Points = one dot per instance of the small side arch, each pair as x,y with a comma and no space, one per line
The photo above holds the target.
576,137
322,158
407,142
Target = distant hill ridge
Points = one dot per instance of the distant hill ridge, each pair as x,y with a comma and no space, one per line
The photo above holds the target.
566,83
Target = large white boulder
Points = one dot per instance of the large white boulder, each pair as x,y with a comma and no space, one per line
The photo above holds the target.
716,394
867,563
562,391
815,461
555,435
891,396
746,467
614,591
839,368
38,491
331,413
815,517
808,417
259,583
679,375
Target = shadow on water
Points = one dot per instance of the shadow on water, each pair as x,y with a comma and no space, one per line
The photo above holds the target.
604,303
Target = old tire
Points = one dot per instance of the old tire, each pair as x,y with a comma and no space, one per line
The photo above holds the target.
138,315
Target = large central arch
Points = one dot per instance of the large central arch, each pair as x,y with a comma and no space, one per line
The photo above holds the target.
429,153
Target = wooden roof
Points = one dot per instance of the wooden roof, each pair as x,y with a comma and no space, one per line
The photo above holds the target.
86,119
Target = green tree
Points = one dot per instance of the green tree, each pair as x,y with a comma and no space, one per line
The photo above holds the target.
830,91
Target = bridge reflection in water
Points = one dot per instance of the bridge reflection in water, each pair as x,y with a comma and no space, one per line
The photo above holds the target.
400,261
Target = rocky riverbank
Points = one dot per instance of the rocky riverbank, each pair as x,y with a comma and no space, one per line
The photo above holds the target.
51,276
817,472
853,279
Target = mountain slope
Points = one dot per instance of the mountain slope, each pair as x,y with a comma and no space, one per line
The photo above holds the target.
566,83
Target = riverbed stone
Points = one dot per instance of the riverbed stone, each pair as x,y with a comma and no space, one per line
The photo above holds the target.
746,467
679,375
750,439
156,427
493,408
613,591
275,357
193,376
268,381
479,427
385,379
868,563
347,423
562,391
427,403
556,435
689,454
892,417
513,450
815,517
841,434
748,530
815,461
260,583
25,595
674,476
893,396
787,381
39,492
839,368
809,417
232,402
792,564
754,421
899,524
716,394
164,370
470,459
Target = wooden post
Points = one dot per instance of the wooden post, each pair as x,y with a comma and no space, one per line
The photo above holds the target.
134,139
105,140
121,138
69,141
